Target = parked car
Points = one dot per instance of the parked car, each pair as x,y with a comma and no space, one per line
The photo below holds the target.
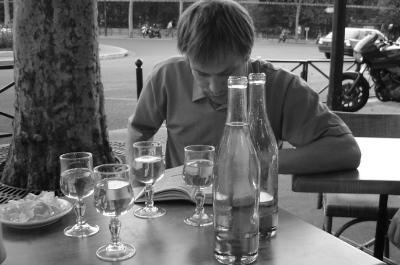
351,37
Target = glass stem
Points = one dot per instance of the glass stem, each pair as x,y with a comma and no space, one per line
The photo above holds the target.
199,198
115,229
149,196
80,212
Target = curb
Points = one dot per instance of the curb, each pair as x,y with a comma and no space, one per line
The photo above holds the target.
110,52
116,52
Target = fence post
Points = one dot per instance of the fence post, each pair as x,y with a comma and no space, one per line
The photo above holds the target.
139,77
304,73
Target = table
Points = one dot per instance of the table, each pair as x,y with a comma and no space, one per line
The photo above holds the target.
378,173
167,240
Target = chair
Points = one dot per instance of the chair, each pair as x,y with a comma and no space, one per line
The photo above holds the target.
361,207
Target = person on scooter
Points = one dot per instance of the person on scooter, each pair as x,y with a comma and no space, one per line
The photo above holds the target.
283,35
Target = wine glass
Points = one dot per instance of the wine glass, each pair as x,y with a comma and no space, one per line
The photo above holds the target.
113,196
76,182
198,173
148,167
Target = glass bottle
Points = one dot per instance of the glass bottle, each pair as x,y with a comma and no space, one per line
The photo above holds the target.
236,184
267,151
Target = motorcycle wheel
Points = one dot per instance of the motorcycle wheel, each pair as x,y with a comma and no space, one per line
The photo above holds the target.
355,100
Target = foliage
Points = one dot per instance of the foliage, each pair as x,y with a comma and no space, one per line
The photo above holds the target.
269,19
391,16
116,13
6,37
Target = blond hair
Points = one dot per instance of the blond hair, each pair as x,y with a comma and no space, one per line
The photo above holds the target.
210,30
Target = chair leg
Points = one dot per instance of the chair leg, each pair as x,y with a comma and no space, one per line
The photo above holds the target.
367,244
319,200
327,224
387,247
348,224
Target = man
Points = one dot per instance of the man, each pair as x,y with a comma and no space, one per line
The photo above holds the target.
189,93
394,230
170,30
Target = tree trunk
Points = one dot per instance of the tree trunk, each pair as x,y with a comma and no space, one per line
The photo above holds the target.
59,104
6,13
130,19
298,9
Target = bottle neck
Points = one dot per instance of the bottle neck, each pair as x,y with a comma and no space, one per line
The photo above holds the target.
237,103
257,99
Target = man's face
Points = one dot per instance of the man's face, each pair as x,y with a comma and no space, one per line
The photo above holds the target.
212,77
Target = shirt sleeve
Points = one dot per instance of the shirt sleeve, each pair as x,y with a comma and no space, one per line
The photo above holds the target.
305,119
149,114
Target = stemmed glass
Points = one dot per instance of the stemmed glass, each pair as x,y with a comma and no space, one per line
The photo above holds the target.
113,196
76,182
198,173
148,167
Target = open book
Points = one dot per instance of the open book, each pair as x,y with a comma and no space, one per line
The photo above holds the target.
173,187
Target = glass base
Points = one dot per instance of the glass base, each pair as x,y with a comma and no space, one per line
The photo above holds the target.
83,230
149,212
199,220
116,252
230,259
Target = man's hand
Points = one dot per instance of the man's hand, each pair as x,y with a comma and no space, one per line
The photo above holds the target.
394,230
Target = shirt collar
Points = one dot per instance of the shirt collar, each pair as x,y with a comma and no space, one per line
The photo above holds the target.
197,92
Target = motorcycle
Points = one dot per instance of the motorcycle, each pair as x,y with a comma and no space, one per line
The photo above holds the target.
282,37
151,31
382,61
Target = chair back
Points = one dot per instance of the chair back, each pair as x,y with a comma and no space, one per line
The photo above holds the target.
371,124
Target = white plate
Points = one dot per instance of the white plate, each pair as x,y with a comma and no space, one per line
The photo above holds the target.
66,205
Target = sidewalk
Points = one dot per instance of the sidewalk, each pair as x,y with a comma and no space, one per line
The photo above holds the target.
105,52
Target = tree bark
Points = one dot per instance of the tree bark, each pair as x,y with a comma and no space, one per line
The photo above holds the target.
59,104
130,19
6,12
298,9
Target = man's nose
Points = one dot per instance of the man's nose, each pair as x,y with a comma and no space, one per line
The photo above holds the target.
217,85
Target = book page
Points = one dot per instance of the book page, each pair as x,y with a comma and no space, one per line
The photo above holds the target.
172,187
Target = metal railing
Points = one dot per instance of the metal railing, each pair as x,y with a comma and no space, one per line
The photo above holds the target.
303,65
2,90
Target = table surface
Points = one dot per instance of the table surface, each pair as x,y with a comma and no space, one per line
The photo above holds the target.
378,173
167,240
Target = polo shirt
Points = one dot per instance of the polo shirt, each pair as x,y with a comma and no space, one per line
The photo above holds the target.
170,94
